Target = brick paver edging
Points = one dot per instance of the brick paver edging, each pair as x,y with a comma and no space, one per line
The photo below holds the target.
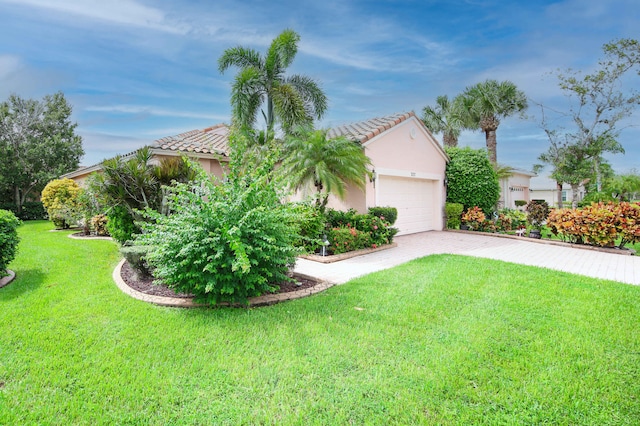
348,255
624,252
264,300
6,280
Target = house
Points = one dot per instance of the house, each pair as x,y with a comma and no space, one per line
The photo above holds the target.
545,188
408,166
514,188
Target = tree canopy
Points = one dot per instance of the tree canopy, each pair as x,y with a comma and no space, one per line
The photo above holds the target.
261,82
489,102
37,144
448,117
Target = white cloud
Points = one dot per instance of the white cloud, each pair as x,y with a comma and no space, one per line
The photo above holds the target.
151,110
122,12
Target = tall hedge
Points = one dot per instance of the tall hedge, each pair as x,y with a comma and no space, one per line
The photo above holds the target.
471,179
8,239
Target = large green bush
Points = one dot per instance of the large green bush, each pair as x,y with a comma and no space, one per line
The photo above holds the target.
312,226
471,179
60,198
226,242
120,224
8,239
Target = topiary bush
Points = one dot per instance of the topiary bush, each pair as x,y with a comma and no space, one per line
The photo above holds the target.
390,214
136,256
60,198
471,179
453,212
8,239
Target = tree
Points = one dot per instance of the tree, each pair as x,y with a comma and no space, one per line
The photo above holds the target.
327,164
447,117
471,179
60,198
37,144
600,102
261,82
487,103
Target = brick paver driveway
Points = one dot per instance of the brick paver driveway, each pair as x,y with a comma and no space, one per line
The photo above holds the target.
524,251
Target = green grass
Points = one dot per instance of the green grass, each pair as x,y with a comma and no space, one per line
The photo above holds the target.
440,340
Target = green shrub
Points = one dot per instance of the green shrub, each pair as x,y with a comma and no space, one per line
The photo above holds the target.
390,214
520,203
312,226
136,256
471,179
226,242
99,224
454,213
120,225
8,239
380,231
337,218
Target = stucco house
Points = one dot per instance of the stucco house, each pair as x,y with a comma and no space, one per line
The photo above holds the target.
545,188
408,166
515,188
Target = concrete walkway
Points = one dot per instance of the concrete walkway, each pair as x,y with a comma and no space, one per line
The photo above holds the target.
592,263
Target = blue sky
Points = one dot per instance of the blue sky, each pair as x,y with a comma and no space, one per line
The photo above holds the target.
139,70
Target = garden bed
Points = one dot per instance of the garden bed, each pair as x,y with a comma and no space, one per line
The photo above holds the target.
348,255
146,291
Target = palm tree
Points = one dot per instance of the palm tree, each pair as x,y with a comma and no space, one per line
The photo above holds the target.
487,103
447,117
327,164
292,100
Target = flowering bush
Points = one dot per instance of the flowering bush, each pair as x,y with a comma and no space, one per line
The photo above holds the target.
343,239
372,230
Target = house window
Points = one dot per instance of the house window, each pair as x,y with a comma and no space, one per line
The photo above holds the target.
564,195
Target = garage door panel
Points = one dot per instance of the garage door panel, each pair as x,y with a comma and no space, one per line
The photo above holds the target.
414,199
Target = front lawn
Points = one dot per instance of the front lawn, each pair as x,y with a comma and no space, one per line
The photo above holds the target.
440,340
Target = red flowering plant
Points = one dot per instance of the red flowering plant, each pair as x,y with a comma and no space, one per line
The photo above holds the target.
474,218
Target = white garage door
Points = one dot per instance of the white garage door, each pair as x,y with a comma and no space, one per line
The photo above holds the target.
414,199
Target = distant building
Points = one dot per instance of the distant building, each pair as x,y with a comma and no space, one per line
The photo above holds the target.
515,188
546,188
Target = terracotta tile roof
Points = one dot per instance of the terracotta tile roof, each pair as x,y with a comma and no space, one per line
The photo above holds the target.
212,140
368,129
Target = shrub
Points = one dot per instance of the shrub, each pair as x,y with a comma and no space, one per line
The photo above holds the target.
537,212
517,218
599,224
337,218
8,239
474,218
99,224
312,226
504,222
390,214
344,239
471,179
454,213
136,256
380,231
520,203
120,225
60,198
225,242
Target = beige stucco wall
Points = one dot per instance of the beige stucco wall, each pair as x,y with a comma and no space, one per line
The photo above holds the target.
515,187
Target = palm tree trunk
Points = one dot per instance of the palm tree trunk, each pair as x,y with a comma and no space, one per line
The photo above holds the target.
449,140
492,145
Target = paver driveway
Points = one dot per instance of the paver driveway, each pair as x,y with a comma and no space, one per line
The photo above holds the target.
524,251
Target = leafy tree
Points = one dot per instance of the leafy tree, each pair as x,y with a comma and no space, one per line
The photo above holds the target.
447,117
261,82
487,103
624,187
37,144
471,179
600,102
328,164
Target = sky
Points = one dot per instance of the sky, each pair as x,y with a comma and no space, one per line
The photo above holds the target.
138,70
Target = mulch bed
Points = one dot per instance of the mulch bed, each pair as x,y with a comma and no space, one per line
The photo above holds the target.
146,285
